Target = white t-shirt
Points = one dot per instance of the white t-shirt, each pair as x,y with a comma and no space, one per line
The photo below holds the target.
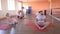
42,18
20,14
38,15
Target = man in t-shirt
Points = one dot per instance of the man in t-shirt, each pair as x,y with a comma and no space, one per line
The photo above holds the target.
41,20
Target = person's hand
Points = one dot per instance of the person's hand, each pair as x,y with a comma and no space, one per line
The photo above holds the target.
39,28
42,28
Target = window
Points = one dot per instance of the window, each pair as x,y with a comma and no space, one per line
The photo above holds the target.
0,5
11,4
19,6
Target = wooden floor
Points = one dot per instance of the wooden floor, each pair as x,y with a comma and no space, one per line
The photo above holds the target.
21,27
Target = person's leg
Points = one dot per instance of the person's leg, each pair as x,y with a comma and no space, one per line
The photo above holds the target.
21,17
45,25
17,16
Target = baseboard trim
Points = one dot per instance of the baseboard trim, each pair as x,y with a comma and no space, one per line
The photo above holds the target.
55,17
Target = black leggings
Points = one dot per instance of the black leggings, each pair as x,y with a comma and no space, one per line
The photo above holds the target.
20,17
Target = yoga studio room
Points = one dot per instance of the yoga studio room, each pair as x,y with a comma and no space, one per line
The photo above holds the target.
29,16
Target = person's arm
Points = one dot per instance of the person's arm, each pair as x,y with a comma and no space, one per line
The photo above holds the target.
45,20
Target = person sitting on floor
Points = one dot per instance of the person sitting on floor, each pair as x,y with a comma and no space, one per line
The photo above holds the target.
41,23
10,20
20,14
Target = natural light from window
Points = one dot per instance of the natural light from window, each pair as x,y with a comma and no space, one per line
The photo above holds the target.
11,4
19,6
0,5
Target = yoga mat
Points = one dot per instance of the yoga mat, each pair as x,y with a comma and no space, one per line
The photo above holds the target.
30,24
4,27
37,29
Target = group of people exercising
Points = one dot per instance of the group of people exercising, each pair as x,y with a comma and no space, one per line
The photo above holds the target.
40,19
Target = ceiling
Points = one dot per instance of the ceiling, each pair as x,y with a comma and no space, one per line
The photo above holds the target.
39,0
32,0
